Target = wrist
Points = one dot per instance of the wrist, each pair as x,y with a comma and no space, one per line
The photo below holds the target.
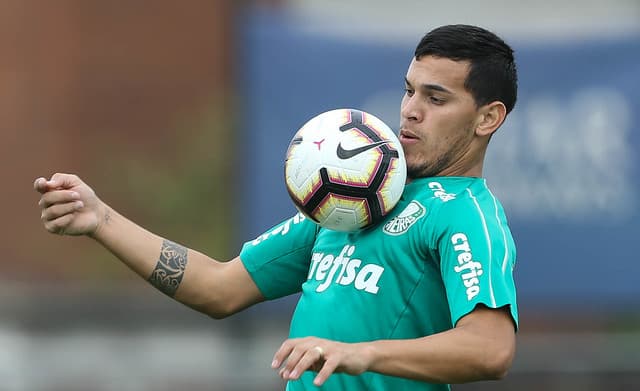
370,355
104,215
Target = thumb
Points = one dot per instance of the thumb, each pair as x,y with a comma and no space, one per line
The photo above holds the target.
40,185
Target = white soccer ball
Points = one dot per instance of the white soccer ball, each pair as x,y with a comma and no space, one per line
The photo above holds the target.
345,169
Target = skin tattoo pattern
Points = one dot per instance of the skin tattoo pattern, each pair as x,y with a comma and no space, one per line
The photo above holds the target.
167,275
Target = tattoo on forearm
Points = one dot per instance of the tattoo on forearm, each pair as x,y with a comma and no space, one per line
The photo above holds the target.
169,270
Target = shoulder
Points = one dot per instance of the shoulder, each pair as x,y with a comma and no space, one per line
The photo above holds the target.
455,201
450,193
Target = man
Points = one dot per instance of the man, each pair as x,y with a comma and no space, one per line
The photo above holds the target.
443,306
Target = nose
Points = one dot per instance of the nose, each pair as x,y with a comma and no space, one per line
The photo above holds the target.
409,109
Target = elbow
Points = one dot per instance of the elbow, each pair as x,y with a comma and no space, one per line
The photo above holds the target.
496,372
216,310
216,314
497,366
221,311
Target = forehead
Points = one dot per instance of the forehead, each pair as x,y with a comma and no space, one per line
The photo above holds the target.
438,71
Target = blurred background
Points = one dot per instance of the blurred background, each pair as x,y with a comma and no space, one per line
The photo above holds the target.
179,114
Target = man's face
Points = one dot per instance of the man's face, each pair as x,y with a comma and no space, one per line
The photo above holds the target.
437,118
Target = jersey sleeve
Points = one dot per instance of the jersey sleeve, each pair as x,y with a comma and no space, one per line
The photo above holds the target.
278,260
477,256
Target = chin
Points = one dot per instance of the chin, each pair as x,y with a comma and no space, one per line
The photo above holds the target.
420,171
414,172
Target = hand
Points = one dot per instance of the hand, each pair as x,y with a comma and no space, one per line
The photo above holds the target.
322,356
69,206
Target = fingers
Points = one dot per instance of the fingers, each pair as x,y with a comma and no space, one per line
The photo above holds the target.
301,359
58,217
58,210
306,354
64,181
57,181
57,197
327,369
282,353
59,225
57,207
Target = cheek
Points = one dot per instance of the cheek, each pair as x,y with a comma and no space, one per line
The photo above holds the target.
422,151
403,105
452,131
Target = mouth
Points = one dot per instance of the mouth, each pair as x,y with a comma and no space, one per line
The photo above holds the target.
407,135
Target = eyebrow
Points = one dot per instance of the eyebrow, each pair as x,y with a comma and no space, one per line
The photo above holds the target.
431,87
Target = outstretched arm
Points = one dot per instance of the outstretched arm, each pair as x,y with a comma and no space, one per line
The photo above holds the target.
480,347
71,207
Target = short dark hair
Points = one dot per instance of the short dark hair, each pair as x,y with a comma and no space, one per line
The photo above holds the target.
492,74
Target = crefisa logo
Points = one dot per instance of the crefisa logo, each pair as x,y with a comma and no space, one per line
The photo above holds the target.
468,269
344,270
440,192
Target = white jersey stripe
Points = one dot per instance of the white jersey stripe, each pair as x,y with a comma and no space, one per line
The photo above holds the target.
488,237
504,233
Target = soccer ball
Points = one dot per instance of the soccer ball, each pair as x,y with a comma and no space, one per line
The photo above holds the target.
345,169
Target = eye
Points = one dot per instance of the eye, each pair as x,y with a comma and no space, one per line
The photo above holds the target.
408,91
435,100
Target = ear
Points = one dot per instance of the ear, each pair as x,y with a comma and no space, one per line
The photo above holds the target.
490,117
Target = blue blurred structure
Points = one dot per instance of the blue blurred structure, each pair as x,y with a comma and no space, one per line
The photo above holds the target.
565,165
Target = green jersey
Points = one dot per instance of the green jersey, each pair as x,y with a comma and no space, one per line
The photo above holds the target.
444,249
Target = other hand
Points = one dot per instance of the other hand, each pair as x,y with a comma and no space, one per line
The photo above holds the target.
322,356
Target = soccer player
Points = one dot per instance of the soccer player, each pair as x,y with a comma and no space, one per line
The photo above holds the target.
423,299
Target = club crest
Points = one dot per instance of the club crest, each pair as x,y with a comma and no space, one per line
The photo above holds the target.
403,221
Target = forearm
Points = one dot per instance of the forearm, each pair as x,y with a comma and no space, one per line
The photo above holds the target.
469,352
136,247
183,274
480,347
70,207
449,357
